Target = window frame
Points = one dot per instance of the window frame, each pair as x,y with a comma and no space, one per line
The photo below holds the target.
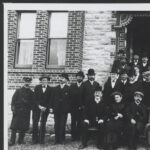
24,66
49,40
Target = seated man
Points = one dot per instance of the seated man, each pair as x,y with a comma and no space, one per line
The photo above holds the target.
94,116
137,119
115,122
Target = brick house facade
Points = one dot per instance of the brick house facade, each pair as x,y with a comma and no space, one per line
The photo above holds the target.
93,38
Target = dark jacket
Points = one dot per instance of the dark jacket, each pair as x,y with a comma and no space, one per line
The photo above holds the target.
146,68
21,106
43,98
88,91
94,111
76,96
108,90
146,90
131,88
61,99
137,112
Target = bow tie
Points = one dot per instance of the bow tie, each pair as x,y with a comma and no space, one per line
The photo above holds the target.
43,86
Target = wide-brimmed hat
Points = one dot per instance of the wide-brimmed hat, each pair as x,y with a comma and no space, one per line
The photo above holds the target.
27,79
80,73
139,93
65,75
116,93
91,72
44,76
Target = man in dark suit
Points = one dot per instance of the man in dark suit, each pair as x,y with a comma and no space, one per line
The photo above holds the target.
42,105
94,116
21,107
61,108
111,85
76,97
144,66
89,86
137,119
123,84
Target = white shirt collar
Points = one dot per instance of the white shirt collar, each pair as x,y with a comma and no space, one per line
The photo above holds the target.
62,85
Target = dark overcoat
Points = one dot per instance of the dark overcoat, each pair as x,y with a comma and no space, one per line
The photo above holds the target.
42,98
138,113
95,111
88,91
108,90
76,97
61,99
146,90
144,68
131,88
21,106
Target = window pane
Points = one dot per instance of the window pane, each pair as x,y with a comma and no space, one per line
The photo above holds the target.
27,25
57,52
58,25
25,53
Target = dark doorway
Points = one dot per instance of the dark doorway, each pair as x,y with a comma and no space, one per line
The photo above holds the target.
138,36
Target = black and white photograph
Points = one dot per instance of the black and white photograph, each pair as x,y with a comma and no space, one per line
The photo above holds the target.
76,76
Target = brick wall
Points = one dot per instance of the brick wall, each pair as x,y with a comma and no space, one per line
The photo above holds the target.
99,44
73,50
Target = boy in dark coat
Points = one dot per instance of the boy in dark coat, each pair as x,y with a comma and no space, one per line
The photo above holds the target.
94,116
111,85
61,108
115,122
76,97
21,107
41,108
135,62
137,119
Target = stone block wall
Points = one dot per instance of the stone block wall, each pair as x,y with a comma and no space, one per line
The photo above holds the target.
99,44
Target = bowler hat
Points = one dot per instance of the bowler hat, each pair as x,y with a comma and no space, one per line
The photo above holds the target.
65,75
44,76
80,73
116,93
114,70
98,88
139,93
121,51
27,79
91,72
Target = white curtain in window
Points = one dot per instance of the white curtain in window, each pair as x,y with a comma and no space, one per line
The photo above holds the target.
25,56
57,52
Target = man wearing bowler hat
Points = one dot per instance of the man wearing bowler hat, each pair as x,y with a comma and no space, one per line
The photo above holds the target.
21,107
111,85
76,97
42,106
61,107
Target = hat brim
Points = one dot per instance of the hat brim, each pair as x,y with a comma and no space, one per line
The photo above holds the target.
41,78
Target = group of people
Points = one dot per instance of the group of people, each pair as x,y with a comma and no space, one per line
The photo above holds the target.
118,111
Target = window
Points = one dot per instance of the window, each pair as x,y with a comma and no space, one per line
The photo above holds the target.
25,39
58,25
